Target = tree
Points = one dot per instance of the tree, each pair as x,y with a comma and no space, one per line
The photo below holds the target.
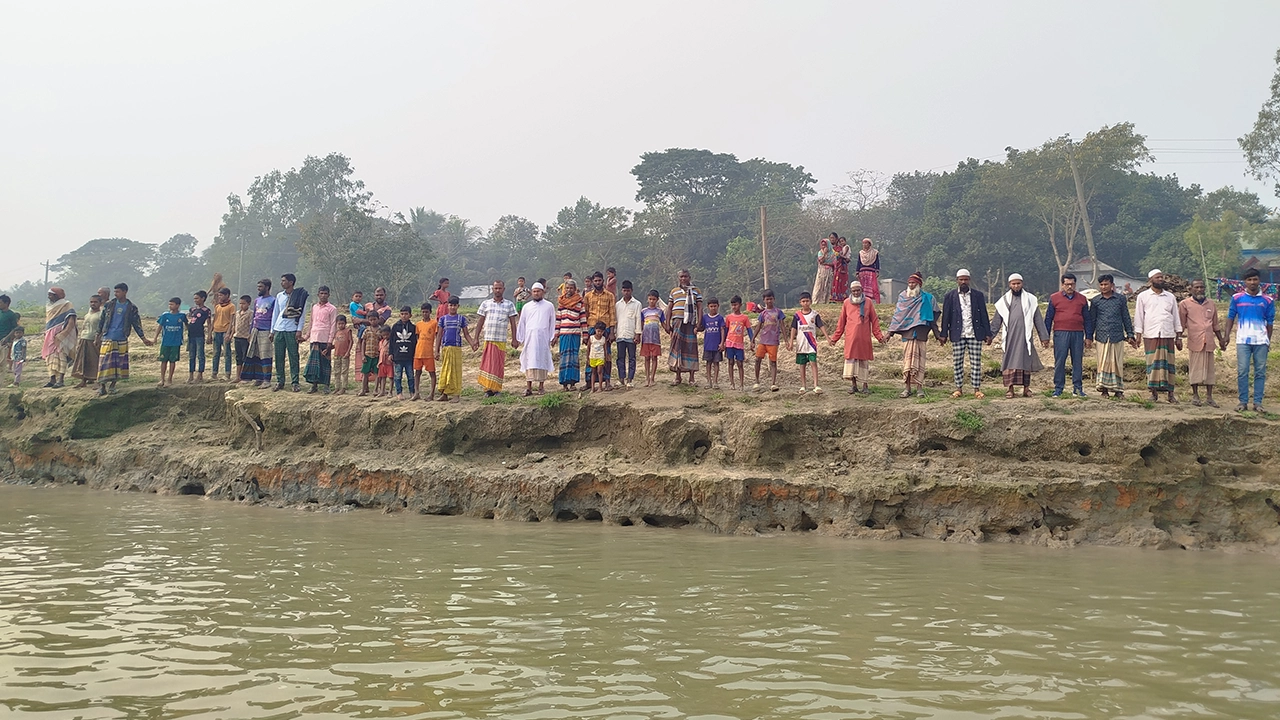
356,250
104,261
1261,145
515,246
587,236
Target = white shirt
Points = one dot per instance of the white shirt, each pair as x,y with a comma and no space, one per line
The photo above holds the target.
966,314
1156,316
628,319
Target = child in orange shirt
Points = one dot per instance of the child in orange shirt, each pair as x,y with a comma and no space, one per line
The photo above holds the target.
343,339
424,355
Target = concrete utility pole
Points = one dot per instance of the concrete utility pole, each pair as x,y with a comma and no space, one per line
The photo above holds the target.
764,247
1084,211
46,265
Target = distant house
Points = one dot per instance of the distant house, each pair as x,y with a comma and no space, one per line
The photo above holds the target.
474,294
1083,270
890,288
1266,260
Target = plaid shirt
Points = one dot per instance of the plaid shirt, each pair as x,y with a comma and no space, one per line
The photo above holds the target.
497,325
601,305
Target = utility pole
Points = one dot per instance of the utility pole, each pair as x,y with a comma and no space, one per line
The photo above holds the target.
46,265
764,247
1084,211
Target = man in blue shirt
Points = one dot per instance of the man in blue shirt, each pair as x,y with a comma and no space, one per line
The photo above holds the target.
119,317
1255,313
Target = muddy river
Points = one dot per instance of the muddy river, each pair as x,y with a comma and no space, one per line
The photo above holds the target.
133,606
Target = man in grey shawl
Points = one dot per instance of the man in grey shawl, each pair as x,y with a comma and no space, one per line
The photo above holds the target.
1017,313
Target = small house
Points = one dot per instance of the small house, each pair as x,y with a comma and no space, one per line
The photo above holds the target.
1083,270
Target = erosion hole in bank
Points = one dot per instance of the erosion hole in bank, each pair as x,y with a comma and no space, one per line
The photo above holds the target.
1147,453
1202,460
700,448
191,489
931,446
806,523
531,516
1085,449
592,515
488,515
664,521
563,515
353,503
625,522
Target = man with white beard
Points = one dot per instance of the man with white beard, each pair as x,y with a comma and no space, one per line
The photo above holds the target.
1017,315
913,320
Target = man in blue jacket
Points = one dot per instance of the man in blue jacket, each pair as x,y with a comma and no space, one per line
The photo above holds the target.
966,325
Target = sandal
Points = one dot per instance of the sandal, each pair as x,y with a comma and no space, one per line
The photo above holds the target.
977,395
904,394
1009,395
956,395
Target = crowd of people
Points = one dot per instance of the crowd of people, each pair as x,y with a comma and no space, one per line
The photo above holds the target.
596,335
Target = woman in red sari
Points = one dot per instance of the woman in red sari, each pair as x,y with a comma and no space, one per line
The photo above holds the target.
840,283
869,270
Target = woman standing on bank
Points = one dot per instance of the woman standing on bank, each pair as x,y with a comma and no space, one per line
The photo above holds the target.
826,270
869,270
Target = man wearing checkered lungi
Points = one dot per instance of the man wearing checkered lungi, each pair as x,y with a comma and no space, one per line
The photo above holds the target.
966,325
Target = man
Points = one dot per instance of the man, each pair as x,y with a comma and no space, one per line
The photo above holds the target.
59,336
684,310
535,331
257,359
858,323
381,307
602,306
1157,326
497,326
8,321
1255,313
1199,317
1071,327
320,334
966,325
1112,327
84,364
1017,315
913,320
119,317
289,315
627,311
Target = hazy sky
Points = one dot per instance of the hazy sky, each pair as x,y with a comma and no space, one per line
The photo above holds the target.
138,119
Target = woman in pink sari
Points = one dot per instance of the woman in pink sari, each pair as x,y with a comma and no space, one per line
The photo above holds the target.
840,283
869,270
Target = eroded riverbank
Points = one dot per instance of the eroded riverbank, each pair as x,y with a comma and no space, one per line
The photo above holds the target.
1035,471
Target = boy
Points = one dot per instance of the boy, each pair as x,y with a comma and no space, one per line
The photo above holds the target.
596,356
224,324
368,344
17,355
768,334
453,330
383,384
169,327
521,295
404,346
627,311
652,322
804,340
356,306
8,322
712,326
244,328
343,339
197,316
737,327
424,357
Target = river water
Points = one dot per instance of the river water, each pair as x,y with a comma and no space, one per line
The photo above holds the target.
133,606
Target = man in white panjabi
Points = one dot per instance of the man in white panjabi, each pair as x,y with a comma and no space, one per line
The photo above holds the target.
534,331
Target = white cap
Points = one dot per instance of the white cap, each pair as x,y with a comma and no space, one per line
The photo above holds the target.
855,284
1154,273
1014,276
962,272
538,286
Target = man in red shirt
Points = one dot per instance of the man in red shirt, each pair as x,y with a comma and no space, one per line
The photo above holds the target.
1070,323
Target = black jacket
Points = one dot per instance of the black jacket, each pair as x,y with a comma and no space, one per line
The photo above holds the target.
953,322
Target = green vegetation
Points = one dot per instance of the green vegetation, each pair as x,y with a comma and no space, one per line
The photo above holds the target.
969,420
551,401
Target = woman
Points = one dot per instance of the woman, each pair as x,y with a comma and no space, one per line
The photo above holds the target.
869,270
571,325
840,282
826,270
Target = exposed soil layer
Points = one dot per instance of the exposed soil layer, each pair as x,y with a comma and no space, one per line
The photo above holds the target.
1034,471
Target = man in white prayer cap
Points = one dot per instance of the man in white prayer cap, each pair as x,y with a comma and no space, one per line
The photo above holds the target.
966,325
1158,327
534,331
1017,315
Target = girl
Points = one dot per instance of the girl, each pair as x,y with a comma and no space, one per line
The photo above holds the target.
652,323
595,356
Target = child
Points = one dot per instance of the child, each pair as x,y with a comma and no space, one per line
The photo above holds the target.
224,325
368,344
170,325
197,315
404,345
453,330
244,329
424,357
652,322
768,334
383,384
356,306
441,296
343,339
712,326
522,294
804,340
595,356
18,355
737,327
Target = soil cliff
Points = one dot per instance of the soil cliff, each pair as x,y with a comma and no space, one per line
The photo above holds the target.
1039,471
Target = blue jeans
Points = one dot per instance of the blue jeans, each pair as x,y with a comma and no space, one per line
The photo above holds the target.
195,351
626,354
221,342
1256,354
1068,341
403,371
